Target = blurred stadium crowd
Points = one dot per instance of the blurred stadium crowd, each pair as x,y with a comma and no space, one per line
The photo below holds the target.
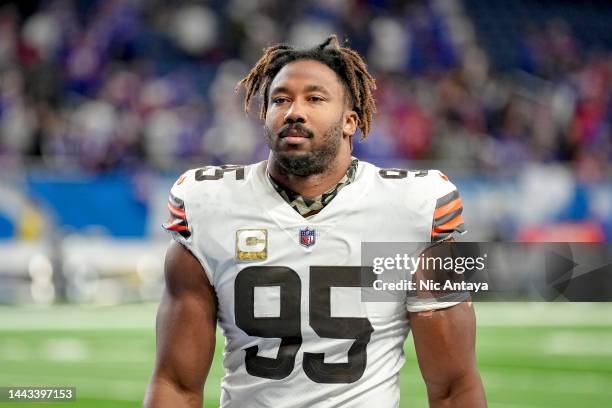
97,85
104,103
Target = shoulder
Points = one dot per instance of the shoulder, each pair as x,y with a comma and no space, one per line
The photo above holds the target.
198,196
435,182
430,183
211,180
428,193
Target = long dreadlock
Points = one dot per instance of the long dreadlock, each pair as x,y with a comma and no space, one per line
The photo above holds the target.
345,62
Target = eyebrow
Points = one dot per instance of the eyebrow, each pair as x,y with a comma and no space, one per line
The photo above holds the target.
308,88
317,88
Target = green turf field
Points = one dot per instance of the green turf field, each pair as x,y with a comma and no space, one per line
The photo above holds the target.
530,355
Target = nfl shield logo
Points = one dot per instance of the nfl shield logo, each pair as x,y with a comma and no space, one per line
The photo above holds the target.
307,237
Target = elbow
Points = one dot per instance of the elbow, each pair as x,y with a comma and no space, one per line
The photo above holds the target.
463,391
165,393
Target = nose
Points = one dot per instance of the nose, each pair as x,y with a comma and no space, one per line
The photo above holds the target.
295,113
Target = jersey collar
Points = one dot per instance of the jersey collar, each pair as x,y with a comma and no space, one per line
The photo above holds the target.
307,207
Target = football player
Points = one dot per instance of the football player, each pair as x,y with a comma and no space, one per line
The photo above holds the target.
271,252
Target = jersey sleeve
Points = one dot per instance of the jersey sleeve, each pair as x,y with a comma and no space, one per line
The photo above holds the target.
178,223
446,223
447,219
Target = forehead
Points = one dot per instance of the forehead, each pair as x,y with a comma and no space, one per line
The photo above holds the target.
304,73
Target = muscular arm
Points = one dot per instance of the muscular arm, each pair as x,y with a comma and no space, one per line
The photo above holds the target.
444,342
186,327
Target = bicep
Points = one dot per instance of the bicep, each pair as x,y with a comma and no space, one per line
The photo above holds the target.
445,345
186,324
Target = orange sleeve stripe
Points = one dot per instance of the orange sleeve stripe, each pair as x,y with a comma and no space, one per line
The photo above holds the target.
177,211
448,226
448,208
176,227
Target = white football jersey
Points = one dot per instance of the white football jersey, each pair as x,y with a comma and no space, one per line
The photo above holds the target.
297,332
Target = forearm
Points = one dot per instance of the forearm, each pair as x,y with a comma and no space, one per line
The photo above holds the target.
466,391
163,393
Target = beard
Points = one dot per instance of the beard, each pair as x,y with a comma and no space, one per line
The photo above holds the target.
317,161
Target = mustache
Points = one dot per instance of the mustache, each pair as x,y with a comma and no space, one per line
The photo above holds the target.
295,128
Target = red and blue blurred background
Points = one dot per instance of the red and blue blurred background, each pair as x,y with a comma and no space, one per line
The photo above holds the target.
103,104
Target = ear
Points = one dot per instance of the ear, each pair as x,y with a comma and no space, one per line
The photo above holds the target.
351,121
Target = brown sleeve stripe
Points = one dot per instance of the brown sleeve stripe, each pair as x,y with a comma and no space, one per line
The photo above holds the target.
448,226
178,218
175,201
446,218
448,208
442,201
176,227
437,237
440,237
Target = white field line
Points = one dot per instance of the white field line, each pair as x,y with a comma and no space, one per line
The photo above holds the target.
75,317
71,350
555,382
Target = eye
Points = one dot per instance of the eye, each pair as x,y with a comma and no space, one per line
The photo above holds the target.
277,100
315,98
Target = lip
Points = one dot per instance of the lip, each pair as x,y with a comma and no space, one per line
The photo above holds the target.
292,139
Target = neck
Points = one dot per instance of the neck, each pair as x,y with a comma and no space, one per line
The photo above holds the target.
310,186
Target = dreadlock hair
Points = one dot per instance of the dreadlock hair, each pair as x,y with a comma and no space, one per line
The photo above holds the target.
345,62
